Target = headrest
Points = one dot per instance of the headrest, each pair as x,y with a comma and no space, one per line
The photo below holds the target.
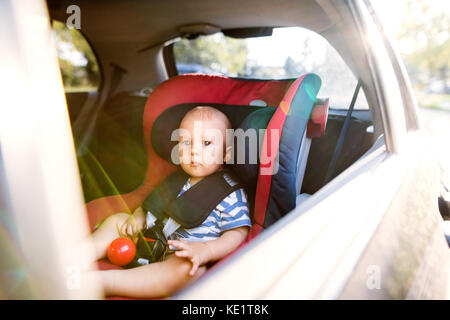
241,117
259,119
199,89
290,119
276,185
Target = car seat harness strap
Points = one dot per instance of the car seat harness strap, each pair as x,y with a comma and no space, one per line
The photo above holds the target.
194,205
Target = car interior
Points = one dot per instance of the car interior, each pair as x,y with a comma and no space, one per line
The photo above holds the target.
135,46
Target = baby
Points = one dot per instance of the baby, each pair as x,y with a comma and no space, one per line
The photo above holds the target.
202,152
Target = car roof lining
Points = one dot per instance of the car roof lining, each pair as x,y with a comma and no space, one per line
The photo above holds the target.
148,23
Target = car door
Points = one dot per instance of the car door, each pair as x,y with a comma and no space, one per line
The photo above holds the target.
408,252
373,232
42,212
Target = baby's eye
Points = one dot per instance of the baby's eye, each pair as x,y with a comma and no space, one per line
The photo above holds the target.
186,142
206,143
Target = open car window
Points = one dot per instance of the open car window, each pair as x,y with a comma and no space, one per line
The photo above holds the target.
287,53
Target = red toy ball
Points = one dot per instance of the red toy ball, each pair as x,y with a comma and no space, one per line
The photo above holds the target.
121,251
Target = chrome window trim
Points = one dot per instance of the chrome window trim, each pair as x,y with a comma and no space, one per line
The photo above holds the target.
394,125
409,100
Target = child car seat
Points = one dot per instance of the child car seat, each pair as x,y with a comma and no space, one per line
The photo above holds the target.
243,102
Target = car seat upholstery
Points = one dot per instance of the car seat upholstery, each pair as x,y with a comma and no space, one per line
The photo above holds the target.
172,99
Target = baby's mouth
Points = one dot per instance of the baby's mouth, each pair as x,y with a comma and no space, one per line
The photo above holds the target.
195,164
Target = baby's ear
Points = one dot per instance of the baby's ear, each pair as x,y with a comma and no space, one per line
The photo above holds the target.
227,155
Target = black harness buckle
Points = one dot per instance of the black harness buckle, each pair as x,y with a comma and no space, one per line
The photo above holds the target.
151,246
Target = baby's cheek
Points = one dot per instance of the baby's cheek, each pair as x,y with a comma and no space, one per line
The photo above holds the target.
215,156
207,157
218,154
182,154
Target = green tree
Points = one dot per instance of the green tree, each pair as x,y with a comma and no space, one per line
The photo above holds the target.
79,67
216,52
429,30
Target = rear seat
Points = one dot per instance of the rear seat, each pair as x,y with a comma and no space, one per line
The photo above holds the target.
302,197
357,141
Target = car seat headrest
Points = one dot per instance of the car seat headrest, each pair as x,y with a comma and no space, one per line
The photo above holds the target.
245,148
276,188
241,117
199,89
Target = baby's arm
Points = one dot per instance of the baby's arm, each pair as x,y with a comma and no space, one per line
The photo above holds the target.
200,253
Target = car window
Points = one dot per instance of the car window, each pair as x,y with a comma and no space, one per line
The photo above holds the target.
79,67
287,53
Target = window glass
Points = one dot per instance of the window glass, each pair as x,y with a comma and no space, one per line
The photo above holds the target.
287,53
79,67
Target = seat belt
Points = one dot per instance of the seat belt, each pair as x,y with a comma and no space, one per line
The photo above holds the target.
169,228
340,142
192,207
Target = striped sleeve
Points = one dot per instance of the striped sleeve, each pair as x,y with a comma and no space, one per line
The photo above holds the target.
234,211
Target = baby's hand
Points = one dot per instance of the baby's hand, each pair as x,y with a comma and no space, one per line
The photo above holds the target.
197,252
133,224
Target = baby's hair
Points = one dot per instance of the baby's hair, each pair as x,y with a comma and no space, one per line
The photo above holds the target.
208,113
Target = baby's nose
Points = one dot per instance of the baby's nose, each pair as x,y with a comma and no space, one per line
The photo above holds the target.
196,148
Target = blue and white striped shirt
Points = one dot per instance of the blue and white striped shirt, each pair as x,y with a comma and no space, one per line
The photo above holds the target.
232,212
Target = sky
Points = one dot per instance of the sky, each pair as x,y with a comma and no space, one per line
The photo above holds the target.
265,52
390,12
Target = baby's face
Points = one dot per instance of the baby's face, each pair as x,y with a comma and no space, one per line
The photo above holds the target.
201,145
